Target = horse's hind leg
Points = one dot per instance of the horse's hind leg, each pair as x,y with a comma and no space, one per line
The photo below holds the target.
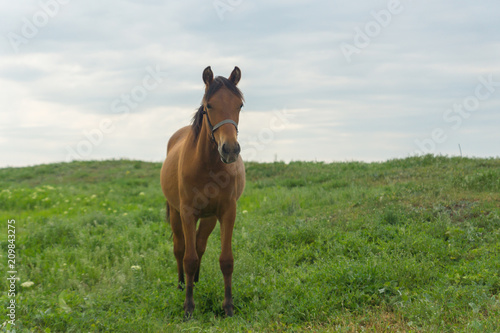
205,228
178,235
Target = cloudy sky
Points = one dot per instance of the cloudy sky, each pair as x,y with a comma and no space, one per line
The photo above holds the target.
323,80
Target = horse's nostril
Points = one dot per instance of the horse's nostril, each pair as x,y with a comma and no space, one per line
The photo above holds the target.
224,149
230,149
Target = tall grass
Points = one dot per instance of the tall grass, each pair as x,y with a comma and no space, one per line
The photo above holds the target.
408,245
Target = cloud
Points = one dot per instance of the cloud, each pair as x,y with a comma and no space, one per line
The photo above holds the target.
64,80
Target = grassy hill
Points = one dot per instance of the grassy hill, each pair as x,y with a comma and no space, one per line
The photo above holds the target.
408,245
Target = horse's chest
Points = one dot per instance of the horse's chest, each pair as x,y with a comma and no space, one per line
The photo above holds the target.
207,195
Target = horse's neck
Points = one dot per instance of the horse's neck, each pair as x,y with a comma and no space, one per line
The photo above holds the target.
205,150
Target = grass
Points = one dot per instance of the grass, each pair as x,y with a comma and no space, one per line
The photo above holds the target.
409,245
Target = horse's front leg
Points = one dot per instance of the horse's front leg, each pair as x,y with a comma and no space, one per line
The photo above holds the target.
226,260
191,260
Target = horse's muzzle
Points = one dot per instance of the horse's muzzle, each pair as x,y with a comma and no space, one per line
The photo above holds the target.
229,152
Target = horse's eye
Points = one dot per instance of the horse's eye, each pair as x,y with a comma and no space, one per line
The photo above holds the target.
209,106
241,106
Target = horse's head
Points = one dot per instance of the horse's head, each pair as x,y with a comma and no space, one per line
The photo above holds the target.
222,104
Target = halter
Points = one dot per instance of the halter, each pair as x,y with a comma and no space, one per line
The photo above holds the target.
214,128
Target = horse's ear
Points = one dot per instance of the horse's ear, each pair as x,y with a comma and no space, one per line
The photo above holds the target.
235,75
208,76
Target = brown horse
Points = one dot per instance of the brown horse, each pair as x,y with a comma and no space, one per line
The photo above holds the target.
202,178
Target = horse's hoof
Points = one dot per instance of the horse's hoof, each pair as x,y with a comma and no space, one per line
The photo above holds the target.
188,316
229,310
188,310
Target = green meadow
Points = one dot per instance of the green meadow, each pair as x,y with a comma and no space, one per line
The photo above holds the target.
408,245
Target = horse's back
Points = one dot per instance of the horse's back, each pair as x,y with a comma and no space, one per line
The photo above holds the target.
177,137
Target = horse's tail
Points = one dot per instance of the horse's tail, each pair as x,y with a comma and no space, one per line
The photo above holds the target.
167,217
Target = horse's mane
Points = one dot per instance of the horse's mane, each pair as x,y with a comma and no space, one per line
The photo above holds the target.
216,84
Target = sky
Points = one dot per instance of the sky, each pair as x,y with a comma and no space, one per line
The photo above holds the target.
322,80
